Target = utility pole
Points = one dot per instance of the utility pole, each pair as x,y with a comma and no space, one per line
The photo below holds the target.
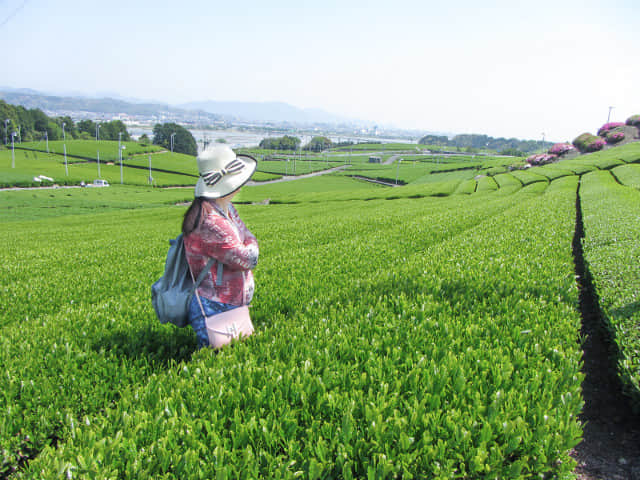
6,138
609,116
46,136
120,148
150,177
121,172
13,152
64,146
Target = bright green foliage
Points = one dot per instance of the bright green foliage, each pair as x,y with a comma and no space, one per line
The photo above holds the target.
318,144
552,171
398,335
183,141
296,167
508,182
466,187
88,149
413,338
486,184
170,162
628,175
528,176
263,177
605,159
314,189
612,251
45,203
29,164
286,142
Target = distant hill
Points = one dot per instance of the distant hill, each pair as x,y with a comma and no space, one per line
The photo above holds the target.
62,104
265,112
201,110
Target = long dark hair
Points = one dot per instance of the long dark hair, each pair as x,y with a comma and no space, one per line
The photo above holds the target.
193,216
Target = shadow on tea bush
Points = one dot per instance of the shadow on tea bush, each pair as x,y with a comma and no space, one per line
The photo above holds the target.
159,346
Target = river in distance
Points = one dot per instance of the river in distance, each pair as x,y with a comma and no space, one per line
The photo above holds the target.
246,138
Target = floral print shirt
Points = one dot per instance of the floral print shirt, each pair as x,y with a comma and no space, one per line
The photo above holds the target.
230,242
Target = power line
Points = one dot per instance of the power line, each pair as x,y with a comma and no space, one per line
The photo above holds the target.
13,14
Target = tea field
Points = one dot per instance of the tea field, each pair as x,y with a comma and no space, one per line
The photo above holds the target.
423,331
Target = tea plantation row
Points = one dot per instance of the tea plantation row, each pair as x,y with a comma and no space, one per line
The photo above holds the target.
611,211
370,317
413,338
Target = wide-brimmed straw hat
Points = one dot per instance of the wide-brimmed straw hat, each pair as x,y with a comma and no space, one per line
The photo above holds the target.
222,171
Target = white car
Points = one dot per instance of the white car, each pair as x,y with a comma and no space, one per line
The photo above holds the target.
100,183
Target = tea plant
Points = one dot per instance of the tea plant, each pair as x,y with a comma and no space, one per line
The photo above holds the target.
447,347
612,251
628,175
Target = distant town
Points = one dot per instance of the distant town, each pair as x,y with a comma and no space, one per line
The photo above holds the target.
241,129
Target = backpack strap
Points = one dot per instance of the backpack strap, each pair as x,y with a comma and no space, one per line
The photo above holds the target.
203,273
219,275
200,278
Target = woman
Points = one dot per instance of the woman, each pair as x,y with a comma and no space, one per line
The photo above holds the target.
213,229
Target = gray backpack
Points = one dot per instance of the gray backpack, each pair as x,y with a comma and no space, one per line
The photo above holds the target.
171,294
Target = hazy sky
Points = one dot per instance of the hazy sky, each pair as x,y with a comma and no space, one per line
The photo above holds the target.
503,68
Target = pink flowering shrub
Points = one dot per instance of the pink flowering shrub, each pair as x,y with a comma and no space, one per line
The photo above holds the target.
634,120
615,135
541,158
561,148
588,143
609,126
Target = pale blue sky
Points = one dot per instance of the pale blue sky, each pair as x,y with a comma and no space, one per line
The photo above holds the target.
504,68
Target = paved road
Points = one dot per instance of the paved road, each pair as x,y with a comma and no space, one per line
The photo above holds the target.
391,159
288,178
39,188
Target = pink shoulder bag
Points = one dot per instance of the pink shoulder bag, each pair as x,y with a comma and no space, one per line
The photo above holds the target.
223,327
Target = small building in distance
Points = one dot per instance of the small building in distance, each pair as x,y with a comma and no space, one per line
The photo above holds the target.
374,159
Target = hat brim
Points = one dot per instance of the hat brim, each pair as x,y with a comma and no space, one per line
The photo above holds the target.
230,182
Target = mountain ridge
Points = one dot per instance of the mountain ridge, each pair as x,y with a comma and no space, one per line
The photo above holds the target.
206,110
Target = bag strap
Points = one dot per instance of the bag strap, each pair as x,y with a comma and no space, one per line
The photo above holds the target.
203,273
196,283
219,276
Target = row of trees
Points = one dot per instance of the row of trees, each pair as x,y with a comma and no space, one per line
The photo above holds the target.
183,141
86,129
28,124
31,124
316,144
471,142
280,143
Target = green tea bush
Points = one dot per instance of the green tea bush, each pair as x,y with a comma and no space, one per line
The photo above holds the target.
612,251
457,357
628,175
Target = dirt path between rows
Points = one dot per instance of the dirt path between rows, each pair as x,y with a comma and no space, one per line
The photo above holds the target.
610,447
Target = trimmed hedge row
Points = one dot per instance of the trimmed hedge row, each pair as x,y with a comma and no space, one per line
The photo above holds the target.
458,357
612,251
